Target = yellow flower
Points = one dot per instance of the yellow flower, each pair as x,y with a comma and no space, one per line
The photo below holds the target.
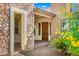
75,44
69,33
67,38
62,33
70,38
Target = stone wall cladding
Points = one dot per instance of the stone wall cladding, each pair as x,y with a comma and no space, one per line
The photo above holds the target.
5,26
30,30
30,22
4,30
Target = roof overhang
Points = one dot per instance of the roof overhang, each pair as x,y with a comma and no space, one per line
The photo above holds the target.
44,13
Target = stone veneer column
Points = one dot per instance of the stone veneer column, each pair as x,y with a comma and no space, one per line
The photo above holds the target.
30,21
30,30
4,30
5,26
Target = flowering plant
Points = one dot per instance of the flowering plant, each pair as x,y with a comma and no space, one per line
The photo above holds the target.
69,38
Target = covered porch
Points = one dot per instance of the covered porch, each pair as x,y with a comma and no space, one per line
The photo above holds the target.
42,25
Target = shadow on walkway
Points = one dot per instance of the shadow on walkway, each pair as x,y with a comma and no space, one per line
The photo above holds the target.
42,49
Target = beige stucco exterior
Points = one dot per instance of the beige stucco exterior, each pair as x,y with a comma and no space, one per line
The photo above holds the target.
40,20
56,22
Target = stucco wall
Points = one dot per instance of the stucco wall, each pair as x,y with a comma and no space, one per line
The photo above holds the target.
40,20
5,26
58,9
68,7
56,25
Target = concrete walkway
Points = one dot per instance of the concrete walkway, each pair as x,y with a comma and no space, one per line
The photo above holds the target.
42,49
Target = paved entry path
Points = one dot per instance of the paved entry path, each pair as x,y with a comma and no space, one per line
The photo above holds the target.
42,49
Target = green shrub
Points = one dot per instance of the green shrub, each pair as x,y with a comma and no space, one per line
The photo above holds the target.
68,42
74,51
57,43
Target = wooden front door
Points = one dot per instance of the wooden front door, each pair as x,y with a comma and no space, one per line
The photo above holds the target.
45,31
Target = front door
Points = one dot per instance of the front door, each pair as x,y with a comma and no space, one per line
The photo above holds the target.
17,31
45,31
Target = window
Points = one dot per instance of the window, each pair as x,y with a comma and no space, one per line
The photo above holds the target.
65,25
34,32
50,28
39,28
74,7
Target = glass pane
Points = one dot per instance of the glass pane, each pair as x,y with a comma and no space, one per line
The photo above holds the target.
39,28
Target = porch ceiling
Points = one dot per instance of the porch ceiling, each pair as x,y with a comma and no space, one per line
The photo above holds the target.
44,13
